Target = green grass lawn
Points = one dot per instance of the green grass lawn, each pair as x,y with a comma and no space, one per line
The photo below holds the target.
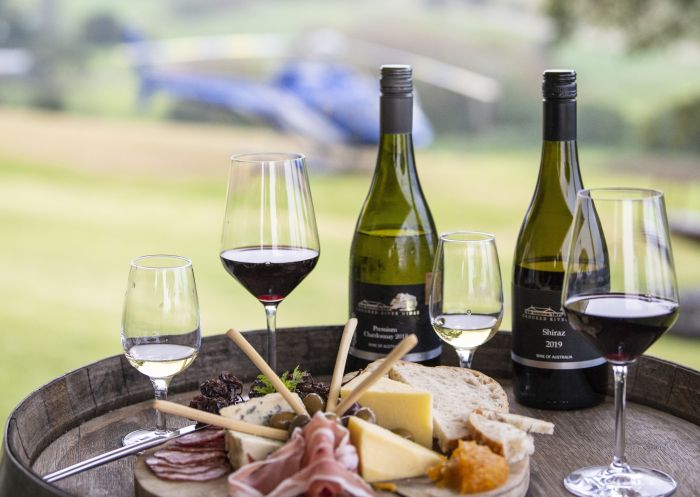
69,235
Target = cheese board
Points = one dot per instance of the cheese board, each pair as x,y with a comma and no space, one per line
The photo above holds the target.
84,412
146,484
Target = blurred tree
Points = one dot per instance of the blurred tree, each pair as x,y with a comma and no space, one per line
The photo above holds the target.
102,29
645,23
14,31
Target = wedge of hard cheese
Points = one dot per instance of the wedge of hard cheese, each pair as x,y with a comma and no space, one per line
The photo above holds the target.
398,406
456,393
387,456
504,439
243,449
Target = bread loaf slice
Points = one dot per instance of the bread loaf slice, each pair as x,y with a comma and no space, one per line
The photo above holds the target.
456,393
528,425
512,443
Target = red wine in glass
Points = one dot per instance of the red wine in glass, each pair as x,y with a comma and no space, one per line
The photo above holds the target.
623,234
269,240
621,326
269,273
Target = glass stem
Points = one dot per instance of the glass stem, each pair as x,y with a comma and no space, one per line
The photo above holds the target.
271,313
465,357
160,385
620,373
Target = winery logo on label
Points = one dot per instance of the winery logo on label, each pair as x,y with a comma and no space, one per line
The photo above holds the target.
544,314
403,304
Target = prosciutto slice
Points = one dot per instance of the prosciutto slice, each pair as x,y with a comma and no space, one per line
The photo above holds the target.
318,461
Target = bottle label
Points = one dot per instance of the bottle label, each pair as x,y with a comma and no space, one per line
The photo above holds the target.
542,337
388,313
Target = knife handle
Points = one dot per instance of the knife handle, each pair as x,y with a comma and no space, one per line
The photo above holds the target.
115,454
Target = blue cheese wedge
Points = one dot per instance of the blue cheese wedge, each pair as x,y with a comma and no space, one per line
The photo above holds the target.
243,449
258,410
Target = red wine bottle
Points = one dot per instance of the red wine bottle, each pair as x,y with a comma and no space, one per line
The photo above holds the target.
554,367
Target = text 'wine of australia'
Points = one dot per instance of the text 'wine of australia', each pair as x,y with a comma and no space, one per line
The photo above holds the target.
554,367
395,240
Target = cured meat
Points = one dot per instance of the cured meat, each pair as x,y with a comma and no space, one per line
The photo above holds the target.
263,476
324,478
205,448
318,461
199,456
187,458
175,468
155,461
210,474
199,438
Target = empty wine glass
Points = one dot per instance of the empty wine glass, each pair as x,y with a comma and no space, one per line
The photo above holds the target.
160,326
269,240
620,293
466,294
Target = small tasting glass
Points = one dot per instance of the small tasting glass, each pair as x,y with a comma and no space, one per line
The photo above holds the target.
160,326
466,295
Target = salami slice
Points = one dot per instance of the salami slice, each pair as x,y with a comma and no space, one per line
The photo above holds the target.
204,448
187,458
199,456
207,475
154,461
199,438
160,468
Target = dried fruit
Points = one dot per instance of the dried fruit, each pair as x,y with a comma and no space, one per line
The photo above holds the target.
217,393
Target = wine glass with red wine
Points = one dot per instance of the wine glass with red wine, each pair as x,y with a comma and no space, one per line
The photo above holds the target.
269,240
620,293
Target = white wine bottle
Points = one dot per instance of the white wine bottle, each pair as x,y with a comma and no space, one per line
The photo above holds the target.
395,240
554,367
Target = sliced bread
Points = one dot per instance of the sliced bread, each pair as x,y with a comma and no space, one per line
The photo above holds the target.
456,393
511,442
529,425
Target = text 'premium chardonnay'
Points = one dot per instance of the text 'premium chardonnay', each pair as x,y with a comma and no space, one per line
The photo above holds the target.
395,240
554,367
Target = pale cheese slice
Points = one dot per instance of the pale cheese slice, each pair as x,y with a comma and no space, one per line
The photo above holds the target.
398,406
242,448
387,456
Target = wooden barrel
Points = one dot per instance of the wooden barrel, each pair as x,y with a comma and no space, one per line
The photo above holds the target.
86,412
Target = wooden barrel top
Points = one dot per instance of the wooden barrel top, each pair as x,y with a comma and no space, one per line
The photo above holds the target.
86,412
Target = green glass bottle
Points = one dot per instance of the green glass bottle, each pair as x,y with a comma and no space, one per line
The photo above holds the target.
554,367
395,240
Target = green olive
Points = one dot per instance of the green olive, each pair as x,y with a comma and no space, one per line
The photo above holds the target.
404,433
367,414
314,403
331,416
282,420
299,421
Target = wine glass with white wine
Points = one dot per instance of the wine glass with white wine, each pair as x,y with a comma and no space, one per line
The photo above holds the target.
466,294
160,326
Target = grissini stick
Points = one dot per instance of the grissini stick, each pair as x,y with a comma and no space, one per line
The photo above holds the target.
293,400
220,421
392,358
340,361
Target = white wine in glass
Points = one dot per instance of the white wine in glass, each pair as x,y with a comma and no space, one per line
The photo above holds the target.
160,326
466,295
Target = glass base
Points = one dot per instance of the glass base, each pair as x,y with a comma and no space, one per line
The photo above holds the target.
619,481
142,435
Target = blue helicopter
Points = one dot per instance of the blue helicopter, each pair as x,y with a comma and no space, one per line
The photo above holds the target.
327,101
